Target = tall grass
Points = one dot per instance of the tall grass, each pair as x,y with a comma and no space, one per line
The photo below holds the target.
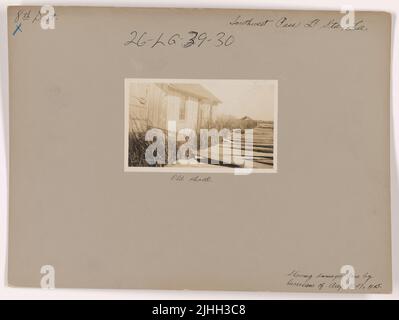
137,149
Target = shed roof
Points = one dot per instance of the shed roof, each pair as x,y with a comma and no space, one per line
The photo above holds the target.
195,90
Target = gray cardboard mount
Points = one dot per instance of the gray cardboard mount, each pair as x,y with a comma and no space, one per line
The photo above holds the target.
73,207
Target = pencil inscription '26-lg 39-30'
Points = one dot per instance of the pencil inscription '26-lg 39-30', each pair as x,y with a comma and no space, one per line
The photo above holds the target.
184,40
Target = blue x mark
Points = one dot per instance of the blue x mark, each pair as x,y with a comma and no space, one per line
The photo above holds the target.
18,28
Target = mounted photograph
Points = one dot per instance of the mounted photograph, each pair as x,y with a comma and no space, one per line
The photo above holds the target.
179,125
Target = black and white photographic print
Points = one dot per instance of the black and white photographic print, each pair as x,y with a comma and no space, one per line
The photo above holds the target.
179,125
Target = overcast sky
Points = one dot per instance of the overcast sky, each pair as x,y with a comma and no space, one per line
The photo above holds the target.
255,99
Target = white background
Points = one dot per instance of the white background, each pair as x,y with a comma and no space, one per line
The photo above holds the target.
17,293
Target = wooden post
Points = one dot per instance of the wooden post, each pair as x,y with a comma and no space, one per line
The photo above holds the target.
210,114
198,115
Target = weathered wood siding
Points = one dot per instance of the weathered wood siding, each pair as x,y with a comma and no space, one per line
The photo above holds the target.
191,113
174,102
147,107
153,105
204,115
157,106
138,112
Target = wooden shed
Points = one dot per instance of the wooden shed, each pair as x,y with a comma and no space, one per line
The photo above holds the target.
152,105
